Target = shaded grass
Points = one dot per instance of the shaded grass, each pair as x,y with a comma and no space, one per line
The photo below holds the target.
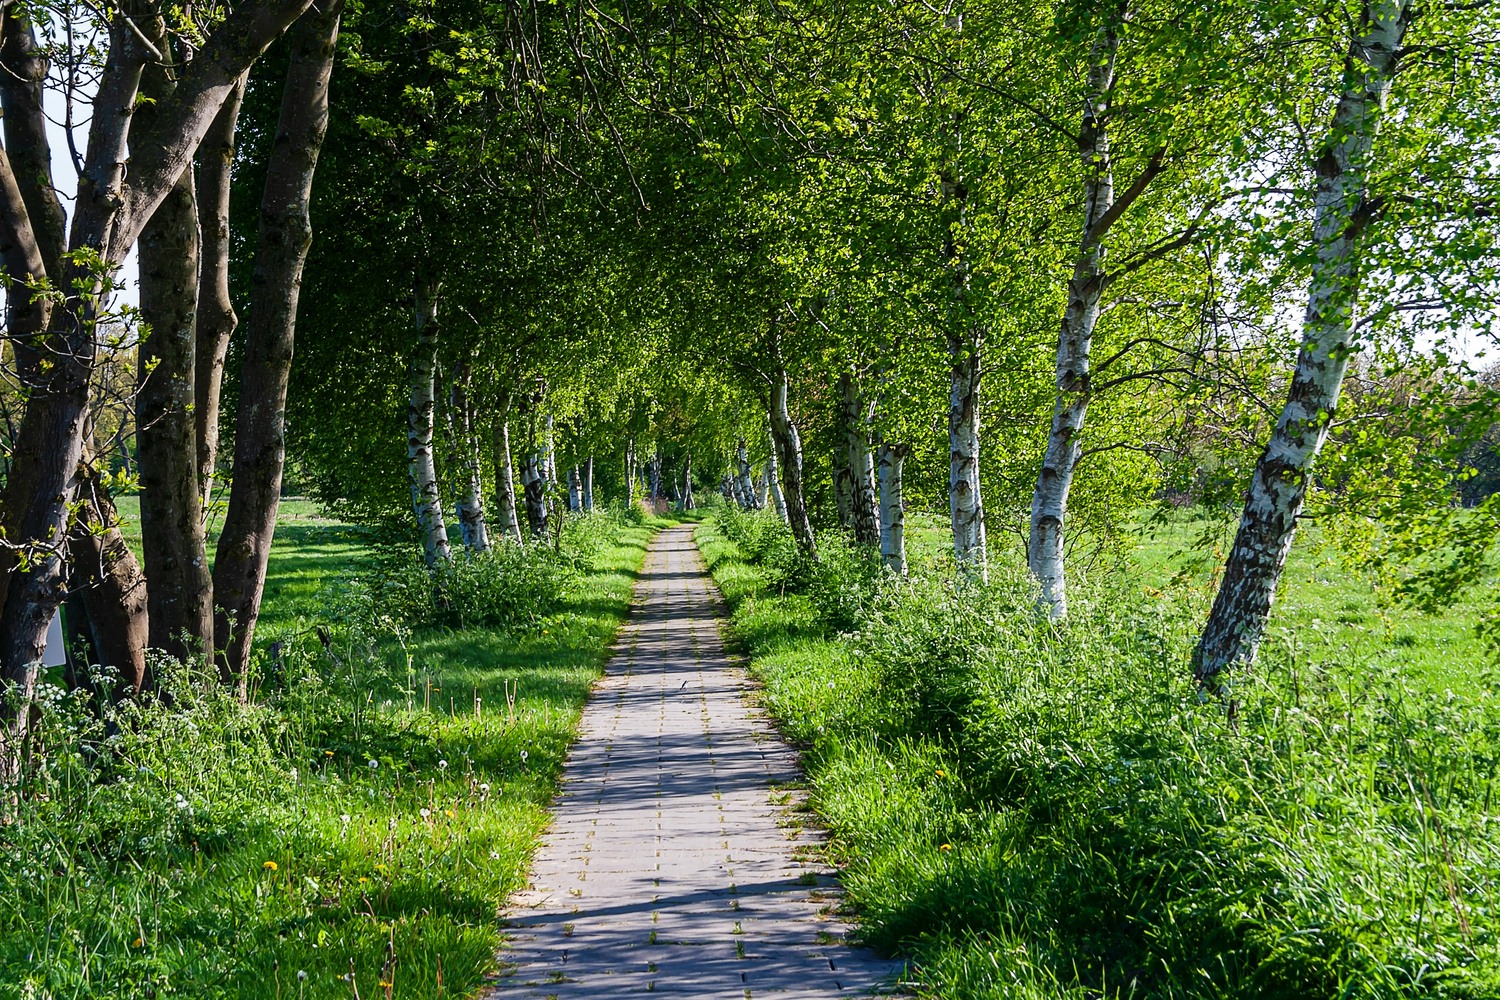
367,818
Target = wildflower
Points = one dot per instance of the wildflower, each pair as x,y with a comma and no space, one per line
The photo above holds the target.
424,813
182,804
494,855
327,753
372,764
302,975
941,773
448,813
344,818
363,880
442,765
484,787
139,943
945,847
385,985
524,755
293,774
270,866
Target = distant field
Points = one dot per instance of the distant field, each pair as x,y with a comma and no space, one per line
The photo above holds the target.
1327,609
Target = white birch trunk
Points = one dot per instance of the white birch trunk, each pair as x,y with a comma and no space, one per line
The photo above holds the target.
864,517
687,482
630,473
746,477
549,453
575,490
535,486
426,500
773,482
471,522
1049,502
505,475
788,442
1278,487
892,506
588,485
965,508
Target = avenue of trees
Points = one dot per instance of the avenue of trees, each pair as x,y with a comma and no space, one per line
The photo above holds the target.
1035,265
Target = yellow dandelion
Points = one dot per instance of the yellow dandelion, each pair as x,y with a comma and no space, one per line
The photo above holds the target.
448,813
363,880
139,943
945,847
941,773
270,866
385,985
327,753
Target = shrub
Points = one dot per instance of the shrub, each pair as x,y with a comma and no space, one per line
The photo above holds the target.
509,587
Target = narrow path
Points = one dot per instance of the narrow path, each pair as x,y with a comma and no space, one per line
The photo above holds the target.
668,868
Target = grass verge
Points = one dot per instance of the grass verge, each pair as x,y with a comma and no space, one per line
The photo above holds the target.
1029,810
353,832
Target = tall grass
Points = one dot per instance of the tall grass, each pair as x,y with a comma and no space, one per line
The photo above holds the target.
1030,809
356,827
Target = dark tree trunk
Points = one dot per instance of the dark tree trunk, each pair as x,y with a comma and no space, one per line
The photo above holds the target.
110,211
108,583
260,442
180,591
216,316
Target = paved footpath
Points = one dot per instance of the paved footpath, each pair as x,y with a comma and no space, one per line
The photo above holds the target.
669,866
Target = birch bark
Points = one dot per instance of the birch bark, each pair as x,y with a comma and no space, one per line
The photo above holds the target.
893,506
746,477
687,482
588,485
1278,487
426,497
505,473
471,522
788,442
864,517
1049,503
773,480
575,489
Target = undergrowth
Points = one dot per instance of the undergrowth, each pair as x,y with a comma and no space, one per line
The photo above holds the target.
1029,809
353,830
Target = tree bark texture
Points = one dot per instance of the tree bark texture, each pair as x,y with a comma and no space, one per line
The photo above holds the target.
108,584
109,214
421,462
471,523
1049,502
1278,486
773,481
535,486
788,445
746,477
173,543
588,485
864,517
505,473
965,507
688,503
575,489
260,422
216,317
892,461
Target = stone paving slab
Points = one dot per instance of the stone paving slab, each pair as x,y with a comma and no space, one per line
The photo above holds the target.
667,868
